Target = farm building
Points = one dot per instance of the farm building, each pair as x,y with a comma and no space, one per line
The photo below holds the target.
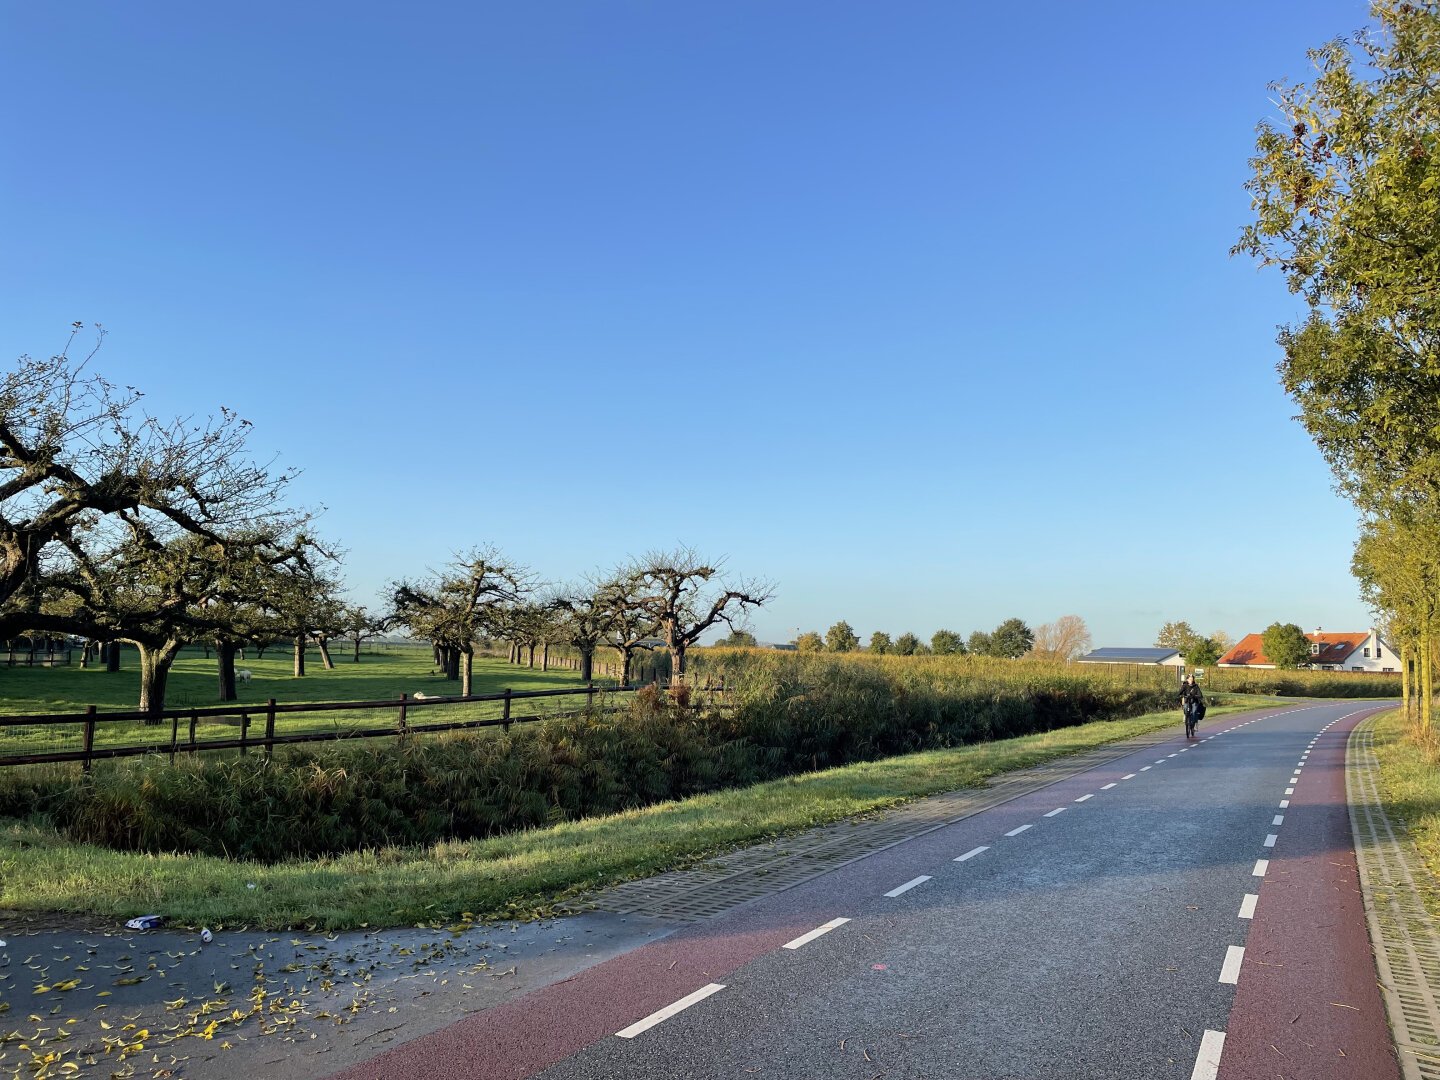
1161,656
1361,650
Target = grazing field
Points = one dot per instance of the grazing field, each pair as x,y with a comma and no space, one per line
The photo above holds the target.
378,676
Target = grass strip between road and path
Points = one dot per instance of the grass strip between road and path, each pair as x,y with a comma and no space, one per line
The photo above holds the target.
518,875
1410,789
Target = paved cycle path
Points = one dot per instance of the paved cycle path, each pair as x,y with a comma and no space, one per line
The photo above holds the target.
1163,915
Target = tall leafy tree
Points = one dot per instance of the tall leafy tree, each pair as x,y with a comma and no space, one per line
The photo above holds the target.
810,641
906,644
946,643
1178,635
1285,645
880,643
1346,193
1012,638
841,638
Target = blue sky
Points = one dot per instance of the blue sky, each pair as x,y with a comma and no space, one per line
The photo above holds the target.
922,310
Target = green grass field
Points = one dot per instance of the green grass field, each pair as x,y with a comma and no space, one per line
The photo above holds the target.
378,676
514,875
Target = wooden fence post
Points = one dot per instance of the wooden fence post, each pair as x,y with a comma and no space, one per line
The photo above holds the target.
402,725
505,716
244,729
590,696
269,727
89,734
174,736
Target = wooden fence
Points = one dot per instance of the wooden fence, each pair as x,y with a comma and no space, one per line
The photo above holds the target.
259,725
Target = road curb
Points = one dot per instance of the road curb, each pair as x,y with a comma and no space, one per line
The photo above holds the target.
1402,934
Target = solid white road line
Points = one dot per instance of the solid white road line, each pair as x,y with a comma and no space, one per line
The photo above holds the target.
1082,798
1279,820
1057,810
1284,804
971,853
1022,828
1247,906
1270,840
1207,1062
669,1010
1261,865
1230,970
805,939
1106,787
1128,776
909,885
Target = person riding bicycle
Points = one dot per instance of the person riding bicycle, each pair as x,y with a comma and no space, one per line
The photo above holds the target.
1192,704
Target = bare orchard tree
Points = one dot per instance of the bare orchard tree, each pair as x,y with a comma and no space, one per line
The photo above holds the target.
360,625
588,612
631,626
76,451
675,589
457,607
1064,639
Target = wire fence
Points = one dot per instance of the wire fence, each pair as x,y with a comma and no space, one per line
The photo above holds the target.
93,736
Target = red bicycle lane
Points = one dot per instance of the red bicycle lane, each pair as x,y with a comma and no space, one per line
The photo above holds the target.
1307,1004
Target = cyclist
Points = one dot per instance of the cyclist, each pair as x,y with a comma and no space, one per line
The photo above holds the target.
1192,704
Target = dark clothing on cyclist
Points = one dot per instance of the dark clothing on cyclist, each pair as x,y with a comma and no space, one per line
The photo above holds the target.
1192,704
1191,699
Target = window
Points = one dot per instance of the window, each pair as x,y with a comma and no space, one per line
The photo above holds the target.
1377,650
1367,652
1314,648
1388,669
1357,667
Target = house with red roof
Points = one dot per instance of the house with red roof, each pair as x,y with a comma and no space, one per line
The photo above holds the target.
1359,651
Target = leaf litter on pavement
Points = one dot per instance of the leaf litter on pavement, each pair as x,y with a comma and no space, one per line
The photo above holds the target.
109,1004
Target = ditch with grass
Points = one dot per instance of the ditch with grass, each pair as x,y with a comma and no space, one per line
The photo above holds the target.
437,829
1410,789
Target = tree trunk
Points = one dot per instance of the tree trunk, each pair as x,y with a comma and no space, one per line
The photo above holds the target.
439,656
323,641
627,657
452,662
357,648
1426,686
467,657
154,673
299,656
587,664
514,653
206,646
545,658
225,668
1405,682
112,656
677,663
531,649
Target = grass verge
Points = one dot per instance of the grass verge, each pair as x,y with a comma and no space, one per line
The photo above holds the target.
513,876
1410,789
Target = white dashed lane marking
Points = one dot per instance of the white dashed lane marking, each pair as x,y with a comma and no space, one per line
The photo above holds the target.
1057,810
669,1010
805,939
1247,906
909,885
1207,1062
1284,804
1270,840
1230,970
1082,798
1128,776
1022,828
971,853
1106,787
1146,768
1261,865
1279,820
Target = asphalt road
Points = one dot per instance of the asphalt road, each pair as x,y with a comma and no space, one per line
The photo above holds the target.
1119,924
